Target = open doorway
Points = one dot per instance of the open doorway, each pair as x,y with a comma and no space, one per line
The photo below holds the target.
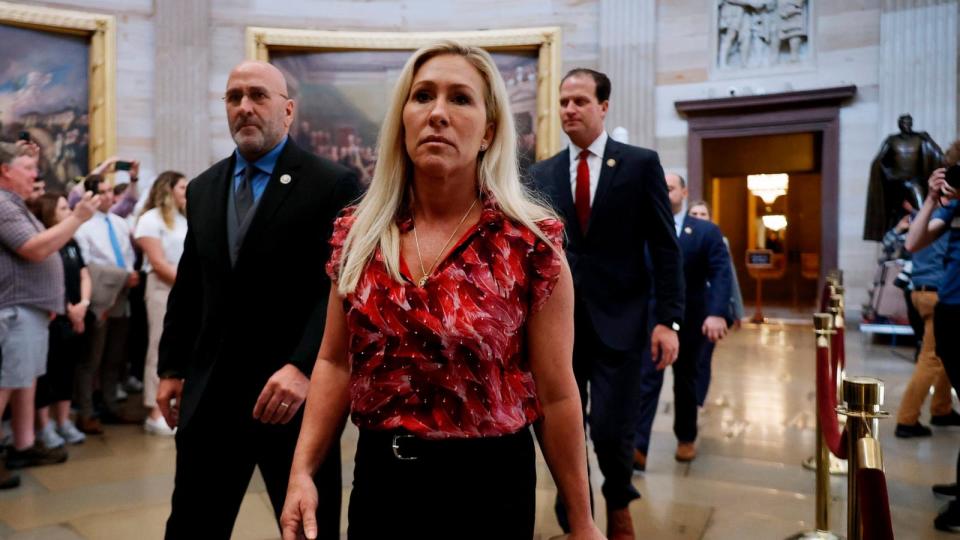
765,193
797,131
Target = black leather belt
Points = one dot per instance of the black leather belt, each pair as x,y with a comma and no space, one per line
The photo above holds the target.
925,288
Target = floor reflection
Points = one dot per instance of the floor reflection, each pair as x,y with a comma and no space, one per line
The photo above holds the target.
756,429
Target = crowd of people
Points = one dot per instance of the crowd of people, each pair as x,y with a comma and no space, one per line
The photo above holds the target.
452,311
70,268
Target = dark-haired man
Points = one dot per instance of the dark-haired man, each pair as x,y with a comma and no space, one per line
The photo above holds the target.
108,251
614,201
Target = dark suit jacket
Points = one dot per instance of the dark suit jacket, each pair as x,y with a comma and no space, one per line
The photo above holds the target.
269,308
630,213
706,270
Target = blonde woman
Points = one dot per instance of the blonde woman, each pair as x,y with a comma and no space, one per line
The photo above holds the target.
160,232
449,328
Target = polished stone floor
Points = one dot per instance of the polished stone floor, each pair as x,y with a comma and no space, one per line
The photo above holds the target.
746,483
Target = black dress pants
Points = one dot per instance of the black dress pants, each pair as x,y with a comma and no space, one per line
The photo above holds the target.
946,322
609,383
216,455
468,489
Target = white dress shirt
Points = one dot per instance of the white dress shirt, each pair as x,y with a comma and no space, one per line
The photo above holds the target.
594,162
94,241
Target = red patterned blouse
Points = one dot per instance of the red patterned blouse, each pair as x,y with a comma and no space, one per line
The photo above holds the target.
449,360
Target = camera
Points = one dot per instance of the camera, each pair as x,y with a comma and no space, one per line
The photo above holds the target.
24,136
123,165
953,176
902,281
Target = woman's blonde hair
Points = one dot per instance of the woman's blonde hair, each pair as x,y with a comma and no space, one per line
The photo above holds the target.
161,197
497,172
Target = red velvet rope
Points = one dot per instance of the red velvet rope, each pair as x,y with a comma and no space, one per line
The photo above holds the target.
827,405
874,506
839,350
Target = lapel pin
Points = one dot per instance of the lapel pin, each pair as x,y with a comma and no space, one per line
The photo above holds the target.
688,230
285,179
611,162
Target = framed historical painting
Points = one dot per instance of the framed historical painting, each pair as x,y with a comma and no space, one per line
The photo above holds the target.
57,84
342,83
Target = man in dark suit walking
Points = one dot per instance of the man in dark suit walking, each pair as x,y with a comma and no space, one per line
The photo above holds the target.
706,269
246,314
614,201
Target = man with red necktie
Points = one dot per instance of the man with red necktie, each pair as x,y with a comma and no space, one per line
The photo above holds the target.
614,200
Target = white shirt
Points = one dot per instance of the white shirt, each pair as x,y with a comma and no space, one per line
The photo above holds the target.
594,162
151,225
93,238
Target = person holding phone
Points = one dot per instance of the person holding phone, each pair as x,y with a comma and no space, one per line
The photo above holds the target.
124,205
939,215
28,258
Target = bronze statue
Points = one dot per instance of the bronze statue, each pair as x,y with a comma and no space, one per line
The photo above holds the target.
899,173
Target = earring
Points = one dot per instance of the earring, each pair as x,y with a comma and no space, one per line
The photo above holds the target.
483,147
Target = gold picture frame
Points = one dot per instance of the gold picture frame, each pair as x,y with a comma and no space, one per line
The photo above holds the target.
101,32
260,41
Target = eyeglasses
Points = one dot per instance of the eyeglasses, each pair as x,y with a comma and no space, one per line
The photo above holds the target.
256,95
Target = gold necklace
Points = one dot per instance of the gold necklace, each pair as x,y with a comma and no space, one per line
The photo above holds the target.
416,238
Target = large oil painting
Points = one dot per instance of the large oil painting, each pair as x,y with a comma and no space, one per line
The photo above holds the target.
342,91
57,86
45,92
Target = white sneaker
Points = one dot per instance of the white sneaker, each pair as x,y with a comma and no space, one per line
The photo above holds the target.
49,436
133,385
158,427
70,433
121,393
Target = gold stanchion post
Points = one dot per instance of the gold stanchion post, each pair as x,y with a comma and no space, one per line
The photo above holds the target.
863,397
823,329
838,467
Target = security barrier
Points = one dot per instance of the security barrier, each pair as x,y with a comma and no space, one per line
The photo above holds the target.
860,399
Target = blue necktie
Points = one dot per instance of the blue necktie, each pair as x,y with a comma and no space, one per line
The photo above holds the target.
117,252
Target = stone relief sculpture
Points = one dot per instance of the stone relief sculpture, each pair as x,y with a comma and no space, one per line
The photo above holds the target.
761,33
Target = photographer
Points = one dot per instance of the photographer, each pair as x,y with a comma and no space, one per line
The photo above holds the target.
940,215
31,289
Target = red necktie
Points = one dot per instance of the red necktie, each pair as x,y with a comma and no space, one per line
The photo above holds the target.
583,191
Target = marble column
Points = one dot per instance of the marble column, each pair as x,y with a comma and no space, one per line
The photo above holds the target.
181,118
918,66
627,55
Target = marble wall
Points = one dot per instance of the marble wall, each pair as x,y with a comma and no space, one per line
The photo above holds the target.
848,39
847,50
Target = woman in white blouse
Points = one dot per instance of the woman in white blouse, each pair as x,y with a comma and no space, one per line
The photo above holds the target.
160,232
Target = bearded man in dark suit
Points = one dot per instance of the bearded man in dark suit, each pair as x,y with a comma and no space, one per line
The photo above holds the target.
246,314
614,201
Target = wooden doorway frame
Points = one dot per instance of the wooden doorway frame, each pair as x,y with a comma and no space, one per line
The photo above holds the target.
805,111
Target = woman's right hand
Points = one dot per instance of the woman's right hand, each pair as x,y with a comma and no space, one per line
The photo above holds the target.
299,516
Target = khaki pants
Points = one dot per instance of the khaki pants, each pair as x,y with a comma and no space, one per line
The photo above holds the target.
155,296
929,370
